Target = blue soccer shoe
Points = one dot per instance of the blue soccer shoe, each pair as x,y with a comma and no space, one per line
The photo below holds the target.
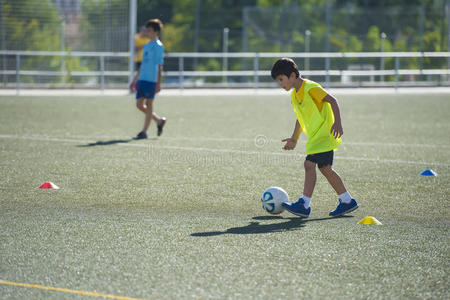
344,208
297,208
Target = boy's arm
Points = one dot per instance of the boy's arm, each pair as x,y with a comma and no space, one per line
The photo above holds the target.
133,84
292,141
158,82
336,129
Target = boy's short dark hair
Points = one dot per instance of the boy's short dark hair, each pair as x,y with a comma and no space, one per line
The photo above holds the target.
156,24
284,66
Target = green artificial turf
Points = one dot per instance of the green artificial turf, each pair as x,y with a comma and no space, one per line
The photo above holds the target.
179,216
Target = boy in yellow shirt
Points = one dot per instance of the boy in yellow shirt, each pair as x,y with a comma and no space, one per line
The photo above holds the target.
140,40
318,116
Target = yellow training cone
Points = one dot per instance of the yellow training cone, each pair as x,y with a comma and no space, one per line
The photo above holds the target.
370,221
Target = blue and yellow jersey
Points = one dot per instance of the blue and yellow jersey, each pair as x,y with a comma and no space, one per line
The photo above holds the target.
315,117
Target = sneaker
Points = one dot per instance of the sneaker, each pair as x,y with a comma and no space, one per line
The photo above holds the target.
161,123
344,208
297,208
141,135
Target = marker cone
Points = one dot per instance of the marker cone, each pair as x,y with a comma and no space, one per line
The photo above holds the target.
49,185
369,221
428,172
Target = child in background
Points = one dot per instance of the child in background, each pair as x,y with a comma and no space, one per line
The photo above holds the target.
140,39
147,81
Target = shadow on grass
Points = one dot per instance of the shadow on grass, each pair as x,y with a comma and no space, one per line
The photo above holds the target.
110,142
258,228
106,143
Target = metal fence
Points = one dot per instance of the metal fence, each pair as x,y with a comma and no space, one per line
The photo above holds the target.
251,69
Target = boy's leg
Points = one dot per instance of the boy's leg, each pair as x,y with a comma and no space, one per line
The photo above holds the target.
333,178
140,104
146,106
310,178
301,207
151,115
346,202
148,114
155,117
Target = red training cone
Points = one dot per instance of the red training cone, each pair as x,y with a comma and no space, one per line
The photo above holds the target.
49,185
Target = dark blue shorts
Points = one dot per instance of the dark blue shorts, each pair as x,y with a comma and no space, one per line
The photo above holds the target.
321,159
145,89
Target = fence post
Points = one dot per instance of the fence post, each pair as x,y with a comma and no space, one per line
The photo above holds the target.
63,49
198,5
383,38
245,11
255,69
3,41
226,31
447,13
180,71
307,47
132,27
396,71
102,73
17,74
421,28
327,43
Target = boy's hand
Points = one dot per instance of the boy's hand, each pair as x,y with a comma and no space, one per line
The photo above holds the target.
336,130
158,88
290,143
133,86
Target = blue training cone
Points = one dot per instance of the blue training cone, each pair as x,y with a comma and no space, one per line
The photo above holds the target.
428,172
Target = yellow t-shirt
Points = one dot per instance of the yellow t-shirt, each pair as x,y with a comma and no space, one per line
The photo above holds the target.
315,117
139,43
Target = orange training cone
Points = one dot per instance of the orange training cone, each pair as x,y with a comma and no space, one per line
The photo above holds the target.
49,185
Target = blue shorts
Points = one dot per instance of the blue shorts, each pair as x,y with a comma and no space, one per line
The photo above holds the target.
145,89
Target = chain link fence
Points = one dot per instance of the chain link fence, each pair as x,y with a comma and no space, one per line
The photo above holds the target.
102,27
67,26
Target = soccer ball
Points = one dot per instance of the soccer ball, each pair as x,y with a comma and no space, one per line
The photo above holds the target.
272,198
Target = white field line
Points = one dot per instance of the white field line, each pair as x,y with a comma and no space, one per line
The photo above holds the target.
213,150
267,140
223,92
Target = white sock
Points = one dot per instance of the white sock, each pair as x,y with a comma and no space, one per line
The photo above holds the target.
307,201
345,197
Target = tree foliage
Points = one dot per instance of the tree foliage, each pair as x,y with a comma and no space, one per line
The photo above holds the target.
254,26
31,25
36,26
